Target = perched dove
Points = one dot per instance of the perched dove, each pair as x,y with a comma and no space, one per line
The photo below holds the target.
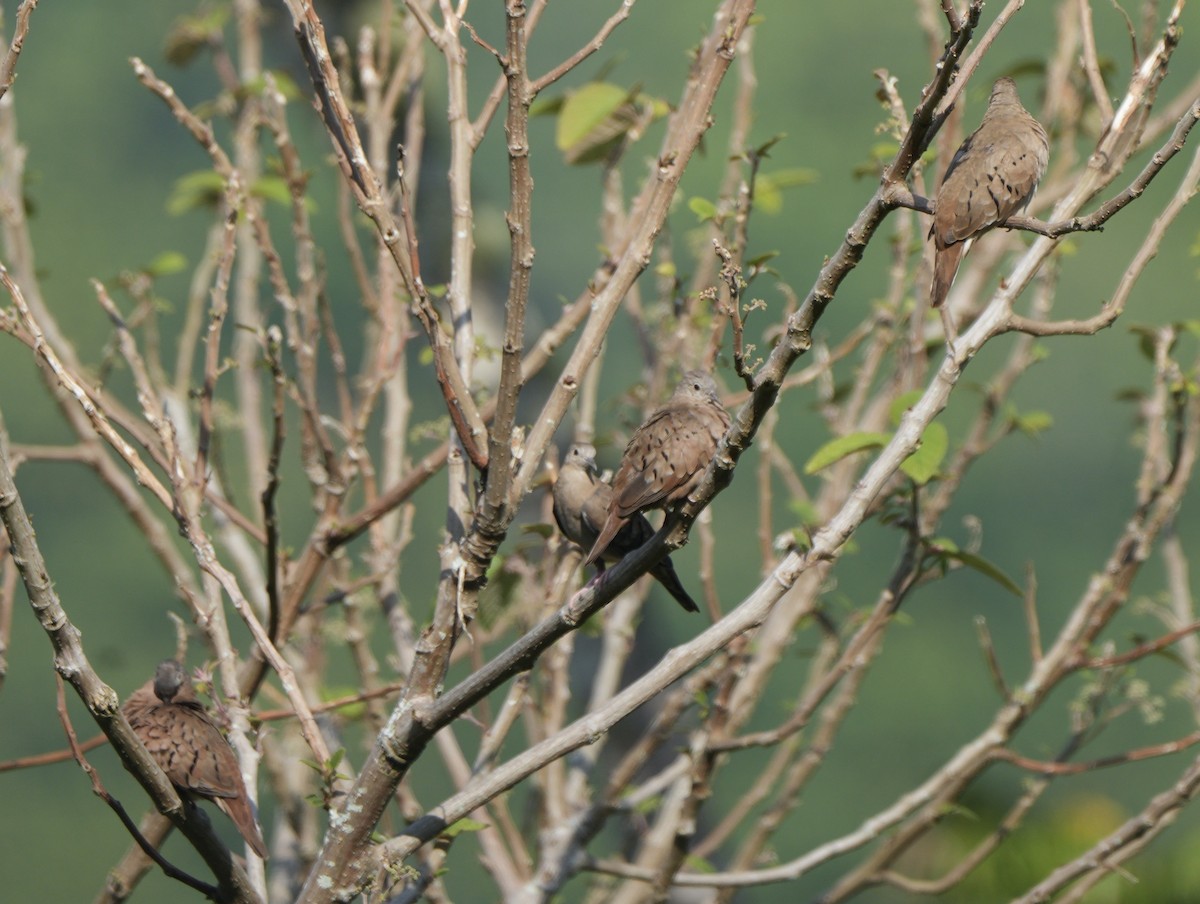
992,176
185,741
581,502
667,455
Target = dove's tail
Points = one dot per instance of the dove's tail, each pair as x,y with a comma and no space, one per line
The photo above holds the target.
945,266
239,810
664,573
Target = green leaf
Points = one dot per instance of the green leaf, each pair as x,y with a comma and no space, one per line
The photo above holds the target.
923,465
195,190
284,84
545,531
584,111
547,106
756,263
703,208
769,187
1031,423
986,568
792,177
191,34
879,155
804,510
902,404
594,118
1147,336
463,825
165,264
272,188
837,449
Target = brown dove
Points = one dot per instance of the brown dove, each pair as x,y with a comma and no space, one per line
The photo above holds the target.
178,732
581,502
992,176
666,456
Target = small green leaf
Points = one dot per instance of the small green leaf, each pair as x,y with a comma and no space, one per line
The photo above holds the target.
756,263
165,264
195,190
922,466
463,825
986,568
703,208
1031,423
547,106
902,404
769,187
284,84
792,177
879,155
585,110
837,449
191,34
1147,336
272,188
594,118
804,510
545,531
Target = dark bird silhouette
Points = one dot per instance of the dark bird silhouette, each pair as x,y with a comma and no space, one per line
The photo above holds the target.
992,176
178,732
666,456
581,502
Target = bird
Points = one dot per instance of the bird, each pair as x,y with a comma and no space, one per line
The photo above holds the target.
178,732
581,501
991,177
666,456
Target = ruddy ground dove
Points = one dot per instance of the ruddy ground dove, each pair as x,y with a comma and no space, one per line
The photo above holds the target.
992,176
581,501
189,747
666,456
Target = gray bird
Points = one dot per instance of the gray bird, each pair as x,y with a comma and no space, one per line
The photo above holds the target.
581,502
178,732
993,176
666,456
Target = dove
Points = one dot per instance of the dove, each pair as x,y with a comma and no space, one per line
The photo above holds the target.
178,732
581,502
992,176
666,456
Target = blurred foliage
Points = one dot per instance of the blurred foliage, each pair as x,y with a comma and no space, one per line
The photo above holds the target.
107,164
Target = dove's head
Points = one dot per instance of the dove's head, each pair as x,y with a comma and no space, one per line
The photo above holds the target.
169,677
697,386
1004,91
581,455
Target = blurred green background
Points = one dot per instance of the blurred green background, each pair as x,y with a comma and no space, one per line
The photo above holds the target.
104,156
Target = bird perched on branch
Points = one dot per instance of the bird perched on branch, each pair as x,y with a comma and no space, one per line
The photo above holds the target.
581,501
178,732
993,176
666,456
